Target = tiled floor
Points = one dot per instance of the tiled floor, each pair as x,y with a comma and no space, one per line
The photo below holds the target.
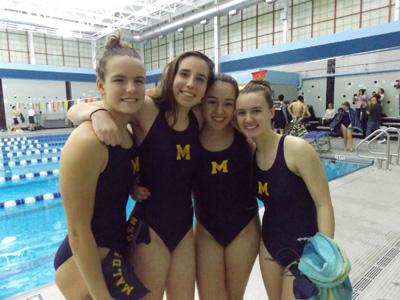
367,211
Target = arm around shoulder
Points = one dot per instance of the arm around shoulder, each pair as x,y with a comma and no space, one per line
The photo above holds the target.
103,125
81,112
144,118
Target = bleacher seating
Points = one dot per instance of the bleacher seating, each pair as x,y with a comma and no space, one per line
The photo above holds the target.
312,122
391,122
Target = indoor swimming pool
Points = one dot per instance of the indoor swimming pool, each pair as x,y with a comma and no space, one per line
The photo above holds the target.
338,168
31,230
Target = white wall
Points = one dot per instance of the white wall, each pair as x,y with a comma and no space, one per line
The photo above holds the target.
81,90
367,71
23,93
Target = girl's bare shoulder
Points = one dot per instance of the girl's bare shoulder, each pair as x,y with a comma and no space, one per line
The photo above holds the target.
149,110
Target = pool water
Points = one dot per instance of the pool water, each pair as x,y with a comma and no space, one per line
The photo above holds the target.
19,170
31,233
11,190
338,168
29,241
27,246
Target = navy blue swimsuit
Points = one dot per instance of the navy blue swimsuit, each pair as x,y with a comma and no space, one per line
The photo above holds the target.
224,202
279,117
167,160
346,119
290,214
109,213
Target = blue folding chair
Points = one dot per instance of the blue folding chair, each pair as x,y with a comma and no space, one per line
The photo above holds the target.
320,140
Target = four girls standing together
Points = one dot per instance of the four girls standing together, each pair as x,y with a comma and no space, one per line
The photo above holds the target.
197,135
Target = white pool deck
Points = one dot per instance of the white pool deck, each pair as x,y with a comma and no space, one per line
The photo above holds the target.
367,211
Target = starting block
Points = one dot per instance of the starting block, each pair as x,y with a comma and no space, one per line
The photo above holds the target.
320,140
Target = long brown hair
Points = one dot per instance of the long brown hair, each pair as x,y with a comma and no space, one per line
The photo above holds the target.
163,96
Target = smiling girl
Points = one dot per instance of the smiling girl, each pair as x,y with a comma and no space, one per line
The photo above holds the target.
166,130
95,182
227,229
289,178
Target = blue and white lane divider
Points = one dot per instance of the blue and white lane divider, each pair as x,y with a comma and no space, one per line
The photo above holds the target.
33,152
36,137
27,200
29,175
30,142
30,161
30,146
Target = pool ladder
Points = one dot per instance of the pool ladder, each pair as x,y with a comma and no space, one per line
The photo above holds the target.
379,157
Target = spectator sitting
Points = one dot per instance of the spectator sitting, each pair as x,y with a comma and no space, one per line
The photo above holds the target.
329,114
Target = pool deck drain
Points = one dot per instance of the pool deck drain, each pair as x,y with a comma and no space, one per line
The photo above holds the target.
373,273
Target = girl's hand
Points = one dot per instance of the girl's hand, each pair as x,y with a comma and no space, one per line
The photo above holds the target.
105,128
139,193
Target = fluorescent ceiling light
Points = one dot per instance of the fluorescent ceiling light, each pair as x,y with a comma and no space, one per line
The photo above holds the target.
233,12
26,27
180,29
204,22
64,32
41,30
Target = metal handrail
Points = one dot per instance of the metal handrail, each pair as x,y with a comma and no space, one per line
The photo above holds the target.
387,155
398,144
389,142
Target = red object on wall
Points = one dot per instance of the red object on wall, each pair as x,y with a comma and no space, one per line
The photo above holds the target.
259,74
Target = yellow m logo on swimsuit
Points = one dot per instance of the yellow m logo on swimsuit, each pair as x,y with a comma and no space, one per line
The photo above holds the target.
135,164
223,167
185,152
263,188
